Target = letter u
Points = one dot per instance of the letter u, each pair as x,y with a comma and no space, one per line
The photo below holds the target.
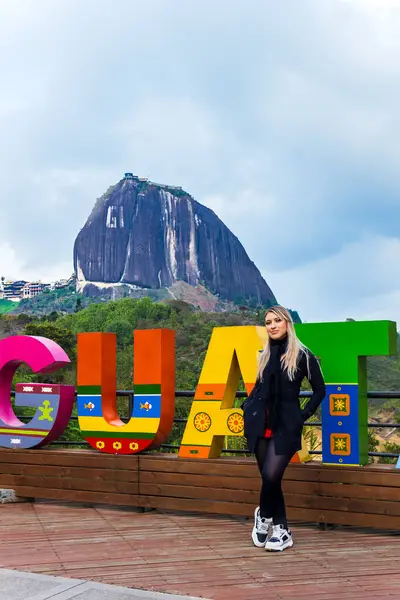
154,391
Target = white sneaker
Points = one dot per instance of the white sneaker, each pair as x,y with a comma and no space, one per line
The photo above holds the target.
261,527
280,539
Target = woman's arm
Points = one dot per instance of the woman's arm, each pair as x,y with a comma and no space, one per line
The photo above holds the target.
316,380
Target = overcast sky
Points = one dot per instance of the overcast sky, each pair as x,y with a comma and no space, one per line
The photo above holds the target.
283,117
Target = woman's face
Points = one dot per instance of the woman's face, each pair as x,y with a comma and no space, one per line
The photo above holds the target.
276,326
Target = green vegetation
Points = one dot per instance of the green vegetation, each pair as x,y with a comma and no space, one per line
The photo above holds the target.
61,301
384,374
6,306
67,300
193,330
390,447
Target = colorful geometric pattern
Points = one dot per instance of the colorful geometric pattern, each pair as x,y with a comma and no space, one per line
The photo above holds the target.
53,403
154,391
340,444
343,348
232,352
339,404
202,421
235,423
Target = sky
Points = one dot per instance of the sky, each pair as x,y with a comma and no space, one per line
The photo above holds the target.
283,117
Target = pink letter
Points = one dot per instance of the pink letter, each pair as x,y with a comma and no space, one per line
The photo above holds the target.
53,402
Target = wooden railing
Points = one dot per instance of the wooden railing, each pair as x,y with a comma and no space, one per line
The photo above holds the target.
359,496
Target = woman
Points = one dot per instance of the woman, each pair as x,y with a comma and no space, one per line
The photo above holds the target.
274,421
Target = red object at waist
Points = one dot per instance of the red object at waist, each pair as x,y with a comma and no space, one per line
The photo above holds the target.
268,432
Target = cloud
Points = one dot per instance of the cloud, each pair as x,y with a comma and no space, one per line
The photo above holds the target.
281,117
362,281
13,267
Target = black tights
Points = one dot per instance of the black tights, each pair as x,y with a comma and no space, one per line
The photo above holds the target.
272,467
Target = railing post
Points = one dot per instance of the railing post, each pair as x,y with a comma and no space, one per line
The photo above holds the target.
130,404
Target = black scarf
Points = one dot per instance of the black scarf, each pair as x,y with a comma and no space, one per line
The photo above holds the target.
271,388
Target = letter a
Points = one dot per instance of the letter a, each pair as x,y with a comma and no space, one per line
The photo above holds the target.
232,350
154,391
212,417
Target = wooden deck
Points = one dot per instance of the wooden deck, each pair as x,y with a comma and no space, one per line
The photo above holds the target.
201,555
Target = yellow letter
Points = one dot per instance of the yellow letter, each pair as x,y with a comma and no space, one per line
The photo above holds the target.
232,350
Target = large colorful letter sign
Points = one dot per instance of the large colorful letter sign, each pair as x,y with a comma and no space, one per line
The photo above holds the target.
343,348
154,391
232,350
53,402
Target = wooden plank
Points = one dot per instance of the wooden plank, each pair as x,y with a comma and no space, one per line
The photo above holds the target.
337,491
193,505
237,482
363,506
78,472
199,493
68,483
353,475
246,468
80,496
367,477
251,498
220,467
253,484
71,458
203,480
341,490
344,518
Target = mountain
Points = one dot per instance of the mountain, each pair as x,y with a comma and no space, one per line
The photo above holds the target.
147,235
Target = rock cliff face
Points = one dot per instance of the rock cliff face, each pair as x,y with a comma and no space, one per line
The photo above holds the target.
151,235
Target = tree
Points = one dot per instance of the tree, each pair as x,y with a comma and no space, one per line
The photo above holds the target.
180,306
123,330
373,444
62,336
393,449
24,318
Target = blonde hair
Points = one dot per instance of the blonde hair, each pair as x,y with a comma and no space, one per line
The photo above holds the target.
290,359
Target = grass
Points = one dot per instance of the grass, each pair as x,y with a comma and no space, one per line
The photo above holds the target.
6,306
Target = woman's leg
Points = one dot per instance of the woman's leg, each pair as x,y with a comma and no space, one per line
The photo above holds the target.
262,522
261,455
261,452
274,466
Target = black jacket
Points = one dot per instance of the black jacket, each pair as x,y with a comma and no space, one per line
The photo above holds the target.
287,432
